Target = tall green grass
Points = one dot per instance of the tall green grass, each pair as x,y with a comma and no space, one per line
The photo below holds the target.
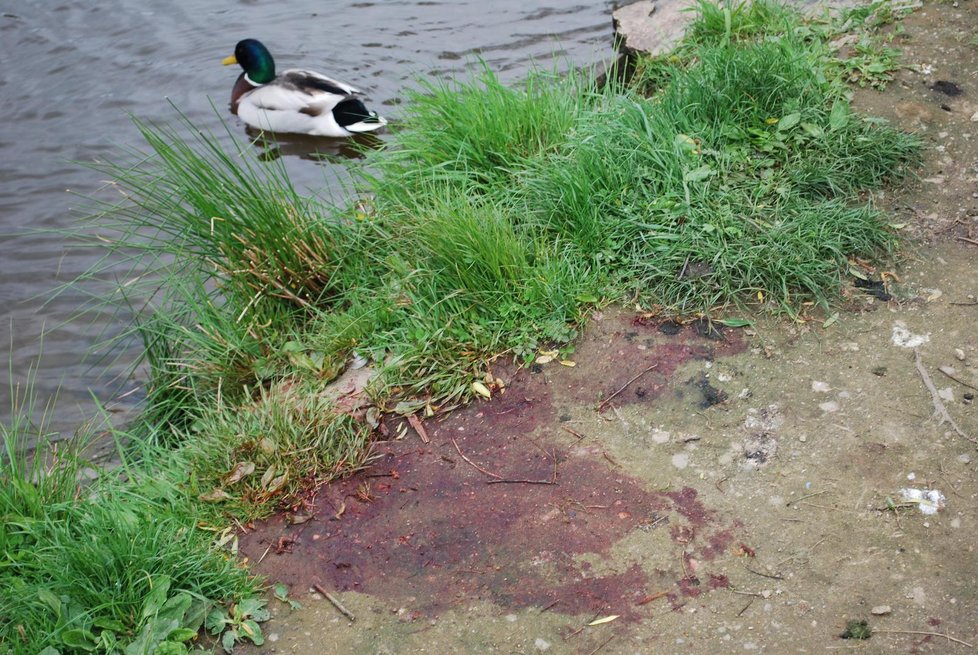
79,556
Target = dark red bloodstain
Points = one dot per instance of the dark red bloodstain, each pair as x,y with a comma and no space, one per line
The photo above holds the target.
424,526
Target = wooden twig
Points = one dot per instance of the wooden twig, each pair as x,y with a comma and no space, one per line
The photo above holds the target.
573,432
967,240
473,464
749,603
337,604
943,369
625,386
418,427
798,500
922,632
776,576
648,599
552,480
603,644
939,409
549,605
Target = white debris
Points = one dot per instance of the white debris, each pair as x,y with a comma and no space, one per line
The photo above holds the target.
767,419
820,387
660,436
680,460
829,407
541,644
947,393
905,338
929,500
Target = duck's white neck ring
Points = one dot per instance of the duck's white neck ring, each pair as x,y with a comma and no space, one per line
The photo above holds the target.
250,81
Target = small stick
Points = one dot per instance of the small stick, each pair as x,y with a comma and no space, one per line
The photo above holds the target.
581,629
650,598
943,369
473,464
625,386
776,576
967,240
748,593
798,500
921,632
263,555
682,560
416,424
749,603
573,432
337,604
719,482
605,643
965,304
939,409
549,605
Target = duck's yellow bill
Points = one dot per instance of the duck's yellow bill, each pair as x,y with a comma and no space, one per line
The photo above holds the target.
227,61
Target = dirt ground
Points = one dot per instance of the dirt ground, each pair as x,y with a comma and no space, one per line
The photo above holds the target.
713,491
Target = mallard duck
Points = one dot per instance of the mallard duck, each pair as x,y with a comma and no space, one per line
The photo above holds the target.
295,101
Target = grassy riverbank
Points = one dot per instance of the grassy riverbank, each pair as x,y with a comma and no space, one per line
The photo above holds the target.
731,174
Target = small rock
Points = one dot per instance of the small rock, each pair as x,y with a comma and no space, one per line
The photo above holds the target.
680,460
965,458
829,407
959,354
820,387
803,438
974,117
947,393
541,644
881,610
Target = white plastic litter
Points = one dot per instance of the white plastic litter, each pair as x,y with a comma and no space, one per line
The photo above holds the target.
928,500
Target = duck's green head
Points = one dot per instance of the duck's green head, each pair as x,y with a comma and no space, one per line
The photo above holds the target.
255,59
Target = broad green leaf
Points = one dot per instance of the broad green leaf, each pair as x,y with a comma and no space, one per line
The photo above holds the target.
80,638
105,623
49,650
176,607
49,599
698,174
789,121
181,634
157,595
215,621
171,648
227,641
194,617
812,130
253,632
839,115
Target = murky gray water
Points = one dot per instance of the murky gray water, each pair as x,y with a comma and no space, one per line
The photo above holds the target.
70,72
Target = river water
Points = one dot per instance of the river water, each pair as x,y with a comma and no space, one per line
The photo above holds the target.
71,72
